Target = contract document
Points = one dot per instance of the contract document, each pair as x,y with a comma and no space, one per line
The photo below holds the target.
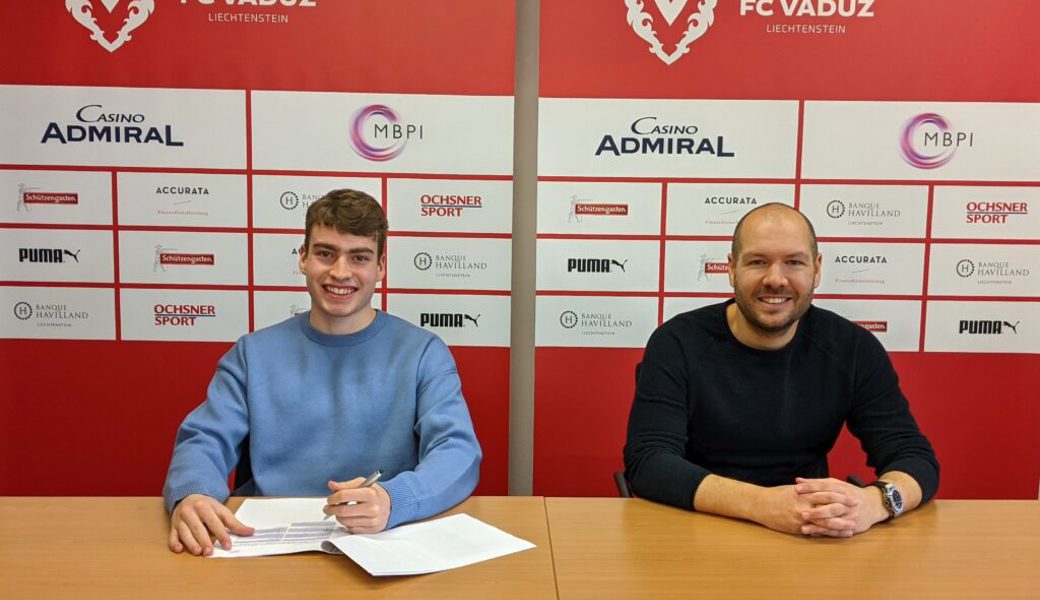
290,525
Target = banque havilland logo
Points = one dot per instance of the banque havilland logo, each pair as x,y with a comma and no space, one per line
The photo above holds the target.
697,24
137,12
928,142
377,133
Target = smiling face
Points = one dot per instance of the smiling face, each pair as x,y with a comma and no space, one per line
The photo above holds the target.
341,271
773,277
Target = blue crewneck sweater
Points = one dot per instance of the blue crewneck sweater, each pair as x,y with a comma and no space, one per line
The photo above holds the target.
318,407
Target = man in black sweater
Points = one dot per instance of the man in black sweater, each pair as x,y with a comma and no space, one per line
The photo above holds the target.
738,403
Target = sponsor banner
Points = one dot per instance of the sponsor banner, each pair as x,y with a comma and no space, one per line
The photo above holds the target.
667,138
1001,327
598,265
450,205
281,201
715,208
984,270
594,322
697,267
70,197
175,257
276,259
599,208
458,320
896,323
270,308
319,131
137,127
56,255
858,268
869,211
184,315
677,306
57,313
921,140
182,199
999,213
449,263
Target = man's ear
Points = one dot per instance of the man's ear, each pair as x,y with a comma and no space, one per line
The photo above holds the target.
303,258
732,266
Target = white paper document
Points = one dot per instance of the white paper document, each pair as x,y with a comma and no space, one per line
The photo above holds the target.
289,525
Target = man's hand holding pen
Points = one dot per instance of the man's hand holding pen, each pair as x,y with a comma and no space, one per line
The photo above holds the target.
360,505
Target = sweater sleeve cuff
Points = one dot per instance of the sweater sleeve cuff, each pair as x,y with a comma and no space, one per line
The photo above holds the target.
923,471
403,503
174,495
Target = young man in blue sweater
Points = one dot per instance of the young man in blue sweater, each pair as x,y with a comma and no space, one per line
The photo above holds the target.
335,393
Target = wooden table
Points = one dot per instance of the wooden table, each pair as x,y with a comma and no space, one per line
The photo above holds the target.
83,548
627,548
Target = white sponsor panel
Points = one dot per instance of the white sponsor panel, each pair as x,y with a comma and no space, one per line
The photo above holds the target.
594,321
697,267
56,255
599,208
180,257
458,320
57,313
868,211
1000,327
667,138
984,270
863,268
715,208
72,197
276,259
921,140
895,323
182,199
184,315
281,201
986,213
598,265
677,305
450,205
135,127
270,308
449,263
324,131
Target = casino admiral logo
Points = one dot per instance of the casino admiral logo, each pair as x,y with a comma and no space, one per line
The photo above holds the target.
137,12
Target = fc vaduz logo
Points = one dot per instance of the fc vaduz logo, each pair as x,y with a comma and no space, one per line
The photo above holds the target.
697,24
137,12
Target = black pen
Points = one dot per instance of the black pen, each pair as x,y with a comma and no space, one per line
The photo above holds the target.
374,477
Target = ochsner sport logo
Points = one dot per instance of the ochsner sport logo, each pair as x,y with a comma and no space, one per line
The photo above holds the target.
377,133
137,13
927,141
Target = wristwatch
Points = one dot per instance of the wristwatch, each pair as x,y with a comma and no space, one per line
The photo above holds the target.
891,497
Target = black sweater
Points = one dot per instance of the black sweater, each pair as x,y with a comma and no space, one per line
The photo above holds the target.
706,403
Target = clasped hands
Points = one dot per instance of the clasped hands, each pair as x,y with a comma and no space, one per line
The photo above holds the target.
198,519
823,507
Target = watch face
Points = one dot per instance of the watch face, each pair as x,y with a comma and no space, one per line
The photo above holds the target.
897,500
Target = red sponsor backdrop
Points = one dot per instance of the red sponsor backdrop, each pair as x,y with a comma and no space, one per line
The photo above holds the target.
981,411
97,417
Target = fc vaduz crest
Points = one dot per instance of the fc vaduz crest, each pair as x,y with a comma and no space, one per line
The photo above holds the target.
136,13
697,24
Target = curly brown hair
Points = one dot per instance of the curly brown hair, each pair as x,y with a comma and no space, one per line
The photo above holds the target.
348,211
